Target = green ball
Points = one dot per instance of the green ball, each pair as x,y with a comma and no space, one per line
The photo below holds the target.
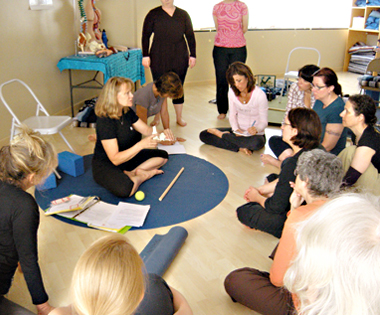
139,195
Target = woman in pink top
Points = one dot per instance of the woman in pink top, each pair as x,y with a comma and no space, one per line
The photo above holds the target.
231,22
319,176
248,114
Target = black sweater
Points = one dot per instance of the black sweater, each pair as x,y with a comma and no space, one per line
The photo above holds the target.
19,220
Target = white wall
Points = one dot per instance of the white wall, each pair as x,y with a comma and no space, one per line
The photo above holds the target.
34,41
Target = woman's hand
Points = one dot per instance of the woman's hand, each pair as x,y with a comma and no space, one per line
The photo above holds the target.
148,142
252,130
146,62
169,135
295,198
192,62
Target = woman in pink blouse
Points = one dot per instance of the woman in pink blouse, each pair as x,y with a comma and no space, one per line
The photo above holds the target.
248,114
231,22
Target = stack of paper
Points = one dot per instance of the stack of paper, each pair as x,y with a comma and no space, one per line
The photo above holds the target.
102,215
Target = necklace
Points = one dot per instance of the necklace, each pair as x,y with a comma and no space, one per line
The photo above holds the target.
244,99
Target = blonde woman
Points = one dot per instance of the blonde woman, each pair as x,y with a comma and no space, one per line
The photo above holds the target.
122,161
108,279
25,162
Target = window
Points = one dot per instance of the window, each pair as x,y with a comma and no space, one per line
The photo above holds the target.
277,14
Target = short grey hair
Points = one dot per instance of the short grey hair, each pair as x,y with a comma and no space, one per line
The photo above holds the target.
322,171
336,271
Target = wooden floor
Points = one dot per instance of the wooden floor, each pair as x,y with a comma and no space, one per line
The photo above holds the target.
217,242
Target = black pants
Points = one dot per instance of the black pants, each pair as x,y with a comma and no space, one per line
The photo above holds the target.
223,57
231,142
277,145
113,178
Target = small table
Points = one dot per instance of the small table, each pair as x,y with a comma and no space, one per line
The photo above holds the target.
124,64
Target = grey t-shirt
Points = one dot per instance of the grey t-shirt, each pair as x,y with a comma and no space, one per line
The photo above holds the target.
145,98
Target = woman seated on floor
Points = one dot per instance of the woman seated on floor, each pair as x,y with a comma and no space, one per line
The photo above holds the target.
267,205
248,115
300,95
336,269
319,176
328,105
361,161
151,99
122,161
108,279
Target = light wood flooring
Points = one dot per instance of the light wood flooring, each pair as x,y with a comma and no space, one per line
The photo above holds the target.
217,242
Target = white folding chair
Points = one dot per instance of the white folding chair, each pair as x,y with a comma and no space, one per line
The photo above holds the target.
45,125
293,74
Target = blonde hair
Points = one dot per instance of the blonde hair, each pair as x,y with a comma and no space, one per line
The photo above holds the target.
108,278
107,105
336,269
28,153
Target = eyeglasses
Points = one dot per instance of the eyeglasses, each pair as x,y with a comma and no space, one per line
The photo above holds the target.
318,87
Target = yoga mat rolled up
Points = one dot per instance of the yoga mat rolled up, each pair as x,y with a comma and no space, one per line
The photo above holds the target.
159,253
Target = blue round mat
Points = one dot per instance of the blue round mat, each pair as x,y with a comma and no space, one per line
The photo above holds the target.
200,188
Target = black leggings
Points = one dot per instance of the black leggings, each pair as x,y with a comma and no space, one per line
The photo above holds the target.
113,178
231,142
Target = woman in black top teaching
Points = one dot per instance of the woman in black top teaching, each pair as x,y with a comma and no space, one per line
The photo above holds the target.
122,161
25,162
169,50
361,161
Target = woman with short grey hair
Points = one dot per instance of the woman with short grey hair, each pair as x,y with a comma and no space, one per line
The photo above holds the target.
319,176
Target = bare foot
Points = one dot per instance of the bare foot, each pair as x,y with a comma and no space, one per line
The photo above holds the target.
268,159
139,176
221,116
245,151
155,122
92,137
216,132
181,122
144,175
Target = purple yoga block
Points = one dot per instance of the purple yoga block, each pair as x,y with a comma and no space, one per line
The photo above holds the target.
70,163
49,183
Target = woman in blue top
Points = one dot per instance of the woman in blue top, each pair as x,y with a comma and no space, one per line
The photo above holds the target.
361,161
328,105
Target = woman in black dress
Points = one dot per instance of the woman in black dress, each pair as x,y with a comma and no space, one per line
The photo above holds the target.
169,50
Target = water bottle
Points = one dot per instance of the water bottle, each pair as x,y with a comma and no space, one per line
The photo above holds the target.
104,38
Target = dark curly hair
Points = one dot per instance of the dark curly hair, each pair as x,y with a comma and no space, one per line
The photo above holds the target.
364,104
308,125
169,84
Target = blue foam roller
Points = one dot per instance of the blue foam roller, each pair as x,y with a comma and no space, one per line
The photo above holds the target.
159,253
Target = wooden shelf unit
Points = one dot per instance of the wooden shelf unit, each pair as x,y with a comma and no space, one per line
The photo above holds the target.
360,34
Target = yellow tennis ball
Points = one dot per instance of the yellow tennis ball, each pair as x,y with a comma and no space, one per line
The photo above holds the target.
139,195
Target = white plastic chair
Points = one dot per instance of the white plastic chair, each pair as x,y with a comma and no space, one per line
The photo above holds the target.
293,74
45,125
